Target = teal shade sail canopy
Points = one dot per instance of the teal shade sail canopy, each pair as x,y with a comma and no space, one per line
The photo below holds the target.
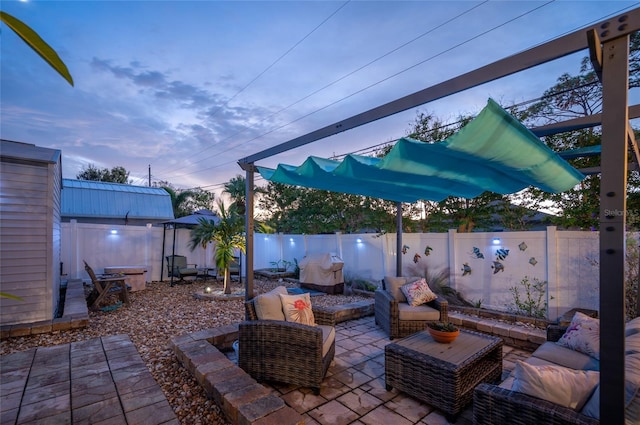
494,152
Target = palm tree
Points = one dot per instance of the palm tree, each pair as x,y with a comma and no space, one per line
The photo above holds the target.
227,235
237,192
179,200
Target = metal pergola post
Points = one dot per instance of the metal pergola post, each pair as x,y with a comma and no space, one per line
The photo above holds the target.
249,192
398,239
613,211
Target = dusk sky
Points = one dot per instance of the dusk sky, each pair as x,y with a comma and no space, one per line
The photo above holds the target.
190,87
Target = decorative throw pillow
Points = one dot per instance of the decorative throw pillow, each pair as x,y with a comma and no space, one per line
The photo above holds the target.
269,306
560,385
297,308
583,334
418,292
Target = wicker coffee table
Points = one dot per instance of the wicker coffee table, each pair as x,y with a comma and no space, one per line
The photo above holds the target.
443,375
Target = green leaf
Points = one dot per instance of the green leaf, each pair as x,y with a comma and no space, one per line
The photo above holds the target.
37,44
13,297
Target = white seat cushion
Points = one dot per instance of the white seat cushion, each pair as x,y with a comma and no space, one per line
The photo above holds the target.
328,336
563,356
420,312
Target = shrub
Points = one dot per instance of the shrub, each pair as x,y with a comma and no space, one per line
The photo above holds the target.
443,327
532,302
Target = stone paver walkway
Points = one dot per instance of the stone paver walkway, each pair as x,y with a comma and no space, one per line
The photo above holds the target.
98,381
353,391
104,381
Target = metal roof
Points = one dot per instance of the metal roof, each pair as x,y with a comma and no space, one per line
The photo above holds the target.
86,198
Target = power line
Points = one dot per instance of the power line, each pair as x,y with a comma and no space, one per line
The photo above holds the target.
336,81
374,148
366,88
281,56
264,71
426,60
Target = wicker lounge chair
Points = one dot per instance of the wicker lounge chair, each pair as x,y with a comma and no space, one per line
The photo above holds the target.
497,404
177,267
390,310
493,404
286,352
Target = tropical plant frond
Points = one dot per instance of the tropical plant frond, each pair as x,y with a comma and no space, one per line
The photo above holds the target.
13,297
38,45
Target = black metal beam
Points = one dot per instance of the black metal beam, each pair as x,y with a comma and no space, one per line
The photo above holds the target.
606,30
578,123
248,279
613,211
595,52
398,239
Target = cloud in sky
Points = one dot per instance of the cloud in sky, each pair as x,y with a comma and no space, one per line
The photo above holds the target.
190,87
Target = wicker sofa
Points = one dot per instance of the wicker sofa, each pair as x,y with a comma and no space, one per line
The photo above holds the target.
286,352
399,319
493,404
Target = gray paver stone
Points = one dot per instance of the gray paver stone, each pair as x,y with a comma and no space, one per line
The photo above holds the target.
45,408
284,416
235,383
240,397
151,415
96,412
38,394
250,412
146,397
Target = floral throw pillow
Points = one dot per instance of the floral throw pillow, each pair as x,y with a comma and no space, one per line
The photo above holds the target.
297,308
418,292
583,334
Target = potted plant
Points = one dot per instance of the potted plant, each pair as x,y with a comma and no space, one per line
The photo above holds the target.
443,332
280,266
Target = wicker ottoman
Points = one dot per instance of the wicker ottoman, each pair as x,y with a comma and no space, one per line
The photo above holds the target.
443,375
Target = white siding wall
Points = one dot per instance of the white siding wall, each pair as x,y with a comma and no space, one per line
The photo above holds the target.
55,226
27,241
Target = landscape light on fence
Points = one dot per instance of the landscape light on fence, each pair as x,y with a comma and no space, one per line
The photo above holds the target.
114,232
496,241
291,240
358,240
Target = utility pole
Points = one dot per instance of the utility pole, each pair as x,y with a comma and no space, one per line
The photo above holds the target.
149,175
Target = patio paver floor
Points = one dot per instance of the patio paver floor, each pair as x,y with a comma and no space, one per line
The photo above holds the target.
103,380
353,392
97,381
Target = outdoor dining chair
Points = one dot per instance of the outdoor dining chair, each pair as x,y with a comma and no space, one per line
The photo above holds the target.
106,285
177,267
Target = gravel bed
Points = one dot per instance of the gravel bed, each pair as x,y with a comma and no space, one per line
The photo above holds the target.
157,314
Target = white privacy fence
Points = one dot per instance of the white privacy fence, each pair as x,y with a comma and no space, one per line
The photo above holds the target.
482,266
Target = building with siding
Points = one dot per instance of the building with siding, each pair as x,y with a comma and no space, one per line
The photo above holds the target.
114,203
30,197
